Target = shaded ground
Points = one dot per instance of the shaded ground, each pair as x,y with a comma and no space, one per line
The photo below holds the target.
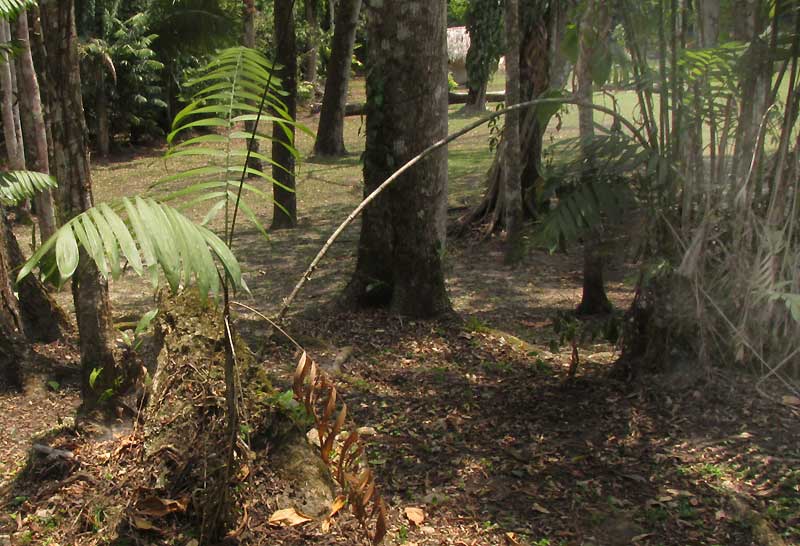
473,420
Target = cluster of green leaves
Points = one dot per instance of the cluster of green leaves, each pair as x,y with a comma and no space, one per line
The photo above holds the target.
456,12
484,20
9,9
123,50
228,93
167,241
17,186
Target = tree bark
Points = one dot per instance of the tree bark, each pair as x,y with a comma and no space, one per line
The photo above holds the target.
330,134
11,346
71,167
34,128
312,52
512,190
708,12
103,115
403,230
535,76
249,40
595,25
285,210
16,161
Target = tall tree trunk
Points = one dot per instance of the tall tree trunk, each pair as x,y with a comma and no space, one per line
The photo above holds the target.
312,52
16,161
512,190
485,27
330,134
285,210
249,40
103,115
594,28
403,230
535,75
34,128
708,12
71,167
11,345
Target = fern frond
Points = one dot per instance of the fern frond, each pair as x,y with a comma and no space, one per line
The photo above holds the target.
154,237
583,209
17,186
9,9
227,93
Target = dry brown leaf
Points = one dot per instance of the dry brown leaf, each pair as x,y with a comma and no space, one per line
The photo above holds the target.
158,507
288,517
325,526
791,400
511,539
144,525
338,504
539,508
415,515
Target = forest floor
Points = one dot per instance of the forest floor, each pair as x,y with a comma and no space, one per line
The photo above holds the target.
472,418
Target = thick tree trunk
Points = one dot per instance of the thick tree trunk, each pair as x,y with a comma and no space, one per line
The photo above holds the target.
403,230
71,167
312,52
330,134
476,99
285,210
34,128
708,12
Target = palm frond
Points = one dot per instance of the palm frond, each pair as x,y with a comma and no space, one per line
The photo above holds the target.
9,9
227,93
154,237
17,186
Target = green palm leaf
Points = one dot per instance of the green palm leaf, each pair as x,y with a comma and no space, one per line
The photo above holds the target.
9,9
171,243
227,92
17,186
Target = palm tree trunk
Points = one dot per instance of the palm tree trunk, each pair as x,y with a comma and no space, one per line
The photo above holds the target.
34,127
595,25
16,161
71,166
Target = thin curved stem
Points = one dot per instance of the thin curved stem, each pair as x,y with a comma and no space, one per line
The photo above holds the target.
428,151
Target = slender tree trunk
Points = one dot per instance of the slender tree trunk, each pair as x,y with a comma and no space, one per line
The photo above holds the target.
16,161
403,230
103,115
512,191
595,25
71,167
12,349
285,209
34,128
330,134
249,40
312,53
535,72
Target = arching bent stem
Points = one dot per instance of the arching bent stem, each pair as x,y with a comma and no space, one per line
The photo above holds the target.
425,153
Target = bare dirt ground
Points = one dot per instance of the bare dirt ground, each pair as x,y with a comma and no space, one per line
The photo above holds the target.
473,421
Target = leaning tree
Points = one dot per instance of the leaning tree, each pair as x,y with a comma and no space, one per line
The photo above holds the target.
403,230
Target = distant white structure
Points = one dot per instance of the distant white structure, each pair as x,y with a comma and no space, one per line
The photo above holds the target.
457,47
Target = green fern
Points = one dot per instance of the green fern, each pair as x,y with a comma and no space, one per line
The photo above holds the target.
167,241
17,186
228,93
9,9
